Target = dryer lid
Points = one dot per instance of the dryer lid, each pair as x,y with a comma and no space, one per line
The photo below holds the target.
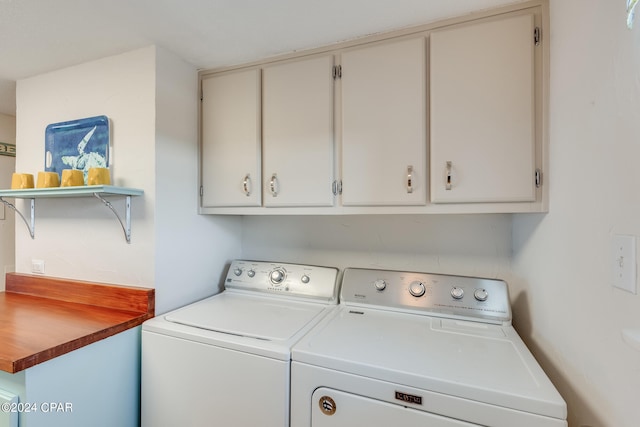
478,361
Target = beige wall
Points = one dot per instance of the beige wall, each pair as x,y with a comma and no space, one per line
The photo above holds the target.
7,217
80,238
150,97
191,250
565,303
557,264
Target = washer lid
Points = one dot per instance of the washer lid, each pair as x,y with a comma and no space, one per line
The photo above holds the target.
261,317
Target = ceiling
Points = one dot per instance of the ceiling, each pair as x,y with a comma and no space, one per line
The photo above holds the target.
39,36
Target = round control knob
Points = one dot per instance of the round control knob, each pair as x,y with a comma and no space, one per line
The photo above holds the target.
277,276
305,279
251,273
380,285
416,289
237,271
457,293
481,294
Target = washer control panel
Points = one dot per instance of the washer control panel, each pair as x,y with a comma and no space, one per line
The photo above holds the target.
297,280
430,294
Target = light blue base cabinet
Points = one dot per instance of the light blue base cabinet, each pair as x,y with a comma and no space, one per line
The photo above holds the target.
97,385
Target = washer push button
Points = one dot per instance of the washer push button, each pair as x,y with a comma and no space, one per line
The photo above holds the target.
481,294
457,292
416,289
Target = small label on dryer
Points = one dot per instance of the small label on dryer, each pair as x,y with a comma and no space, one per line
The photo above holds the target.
409,398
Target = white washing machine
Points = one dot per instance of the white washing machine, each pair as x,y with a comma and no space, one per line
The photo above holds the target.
225,360
415,349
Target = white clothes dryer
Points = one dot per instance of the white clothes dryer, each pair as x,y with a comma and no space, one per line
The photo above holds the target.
416,349
225,360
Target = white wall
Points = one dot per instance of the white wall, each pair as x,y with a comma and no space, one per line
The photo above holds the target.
150,97
565,304
474,245
7,217
191,250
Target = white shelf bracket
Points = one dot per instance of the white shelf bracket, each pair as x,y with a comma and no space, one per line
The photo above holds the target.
126,225
99,191
30,225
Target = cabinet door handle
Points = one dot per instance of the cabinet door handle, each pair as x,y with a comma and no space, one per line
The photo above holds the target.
273,185
410,179
246,185
448,178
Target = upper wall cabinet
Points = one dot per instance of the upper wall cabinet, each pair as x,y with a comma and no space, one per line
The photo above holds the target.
297,133
230,139
483,136
384,144
449,117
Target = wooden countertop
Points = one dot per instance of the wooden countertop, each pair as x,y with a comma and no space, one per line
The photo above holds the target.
44,317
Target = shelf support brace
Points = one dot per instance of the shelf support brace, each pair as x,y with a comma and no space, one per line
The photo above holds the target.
31,226
126,225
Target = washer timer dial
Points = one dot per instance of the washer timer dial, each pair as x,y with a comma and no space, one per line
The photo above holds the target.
277,276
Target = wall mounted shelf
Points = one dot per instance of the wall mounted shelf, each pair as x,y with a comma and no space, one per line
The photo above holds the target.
98,191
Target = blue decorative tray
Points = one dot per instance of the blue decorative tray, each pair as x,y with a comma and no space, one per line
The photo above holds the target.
77,144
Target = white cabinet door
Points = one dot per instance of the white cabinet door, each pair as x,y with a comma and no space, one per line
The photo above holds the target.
483,112
384,149
298,149
230,153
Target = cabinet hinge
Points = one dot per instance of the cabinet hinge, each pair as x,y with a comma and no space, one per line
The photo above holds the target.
201,94
201,191
538,178
336,187
536,36
337,72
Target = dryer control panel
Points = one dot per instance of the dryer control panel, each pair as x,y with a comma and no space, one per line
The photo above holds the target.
470,298
296,280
